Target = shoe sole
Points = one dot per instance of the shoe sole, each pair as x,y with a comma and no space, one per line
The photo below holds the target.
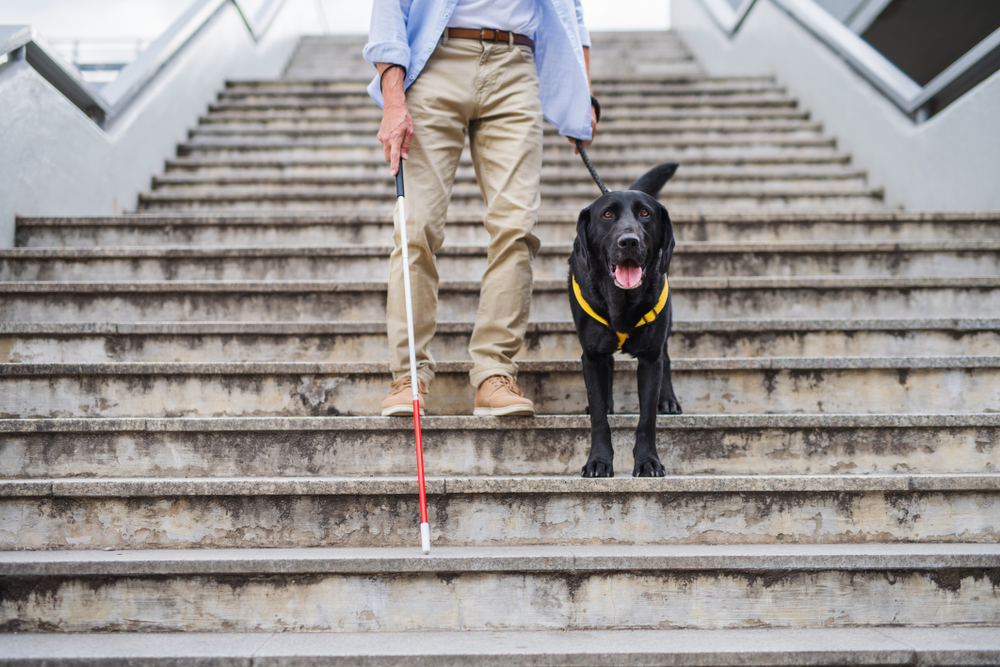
510,410
400,410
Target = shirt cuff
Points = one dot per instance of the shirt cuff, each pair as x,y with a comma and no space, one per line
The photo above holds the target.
387,52
584,36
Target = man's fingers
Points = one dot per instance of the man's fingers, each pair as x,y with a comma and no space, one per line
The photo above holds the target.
394,160
404,148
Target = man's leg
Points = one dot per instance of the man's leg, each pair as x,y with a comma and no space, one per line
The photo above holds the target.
439,102
506,144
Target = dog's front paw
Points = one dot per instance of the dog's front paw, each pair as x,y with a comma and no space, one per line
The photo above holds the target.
650,467
598,468
669,407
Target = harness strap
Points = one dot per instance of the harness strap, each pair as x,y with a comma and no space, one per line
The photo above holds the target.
646,319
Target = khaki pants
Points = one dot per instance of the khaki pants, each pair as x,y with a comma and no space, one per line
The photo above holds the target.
490,91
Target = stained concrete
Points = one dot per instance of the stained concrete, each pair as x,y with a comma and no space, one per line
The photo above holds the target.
531,601
282,512
334,228
705,386
625,648
558,445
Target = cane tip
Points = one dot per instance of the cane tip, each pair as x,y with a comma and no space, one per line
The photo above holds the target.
425,538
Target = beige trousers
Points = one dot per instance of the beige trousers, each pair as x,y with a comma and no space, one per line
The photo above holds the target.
490,92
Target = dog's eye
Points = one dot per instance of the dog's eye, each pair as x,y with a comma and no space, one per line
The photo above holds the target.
644,213
607,214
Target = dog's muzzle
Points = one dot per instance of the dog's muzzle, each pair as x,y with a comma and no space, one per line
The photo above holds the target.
626,264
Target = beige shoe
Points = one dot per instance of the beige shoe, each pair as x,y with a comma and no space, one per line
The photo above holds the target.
498,396
400,398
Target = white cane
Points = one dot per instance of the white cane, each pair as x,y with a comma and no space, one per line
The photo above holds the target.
425,529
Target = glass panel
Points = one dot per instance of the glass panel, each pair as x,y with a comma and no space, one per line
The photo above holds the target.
924,37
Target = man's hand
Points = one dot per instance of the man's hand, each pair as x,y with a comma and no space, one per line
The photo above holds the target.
593,131
396,131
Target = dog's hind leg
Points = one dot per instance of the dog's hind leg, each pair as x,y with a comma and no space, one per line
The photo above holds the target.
647,462
668,403
610,401
600,462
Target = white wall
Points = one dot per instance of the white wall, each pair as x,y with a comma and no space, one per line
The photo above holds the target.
950,162
57,162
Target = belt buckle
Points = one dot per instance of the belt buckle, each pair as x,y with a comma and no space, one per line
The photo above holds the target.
496,35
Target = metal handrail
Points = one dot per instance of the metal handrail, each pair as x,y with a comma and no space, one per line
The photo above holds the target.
916,101
728,19
24,43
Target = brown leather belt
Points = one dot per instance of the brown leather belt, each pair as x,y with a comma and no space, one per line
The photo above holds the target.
491,35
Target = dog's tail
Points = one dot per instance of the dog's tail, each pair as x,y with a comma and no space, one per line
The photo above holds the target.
652,181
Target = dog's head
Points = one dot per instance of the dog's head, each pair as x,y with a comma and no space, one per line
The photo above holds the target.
627,233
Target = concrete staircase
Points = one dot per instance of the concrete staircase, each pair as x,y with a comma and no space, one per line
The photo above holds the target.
187,440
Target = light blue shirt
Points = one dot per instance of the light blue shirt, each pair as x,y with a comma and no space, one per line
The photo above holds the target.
406,32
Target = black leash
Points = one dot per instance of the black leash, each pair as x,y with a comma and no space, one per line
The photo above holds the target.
590,168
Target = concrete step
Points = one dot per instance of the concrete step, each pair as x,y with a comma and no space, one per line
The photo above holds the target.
319,301
294,197
847,444
267,141
613,92
373,176
748,200
706,99
866,385
332,341
609,133
612,115
374,227
623,648
635,162
540,588
600,84
286,512
691,259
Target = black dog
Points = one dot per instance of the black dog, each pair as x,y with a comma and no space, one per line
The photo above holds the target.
620,299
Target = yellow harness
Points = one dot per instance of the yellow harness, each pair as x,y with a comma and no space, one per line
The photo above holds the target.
646,319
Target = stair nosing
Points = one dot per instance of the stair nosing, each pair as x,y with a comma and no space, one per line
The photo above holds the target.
445,326
466,422
845,363
371,250
408,560
306,286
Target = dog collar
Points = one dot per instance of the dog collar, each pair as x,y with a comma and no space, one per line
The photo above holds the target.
646,319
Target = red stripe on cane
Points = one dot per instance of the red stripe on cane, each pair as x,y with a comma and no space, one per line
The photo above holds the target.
420,461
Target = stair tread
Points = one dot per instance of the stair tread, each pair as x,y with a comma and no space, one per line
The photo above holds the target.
525,366
682,247
736,282
147,487
378,327
328,560
773,647
567,216
541,422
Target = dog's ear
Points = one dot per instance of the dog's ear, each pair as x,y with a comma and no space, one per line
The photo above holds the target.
667,246
652,181
581,245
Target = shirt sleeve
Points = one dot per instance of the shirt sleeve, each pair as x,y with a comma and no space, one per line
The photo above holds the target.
584,33
387,41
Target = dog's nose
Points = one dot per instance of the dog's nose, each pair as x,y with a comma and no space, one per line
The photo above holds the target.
628,242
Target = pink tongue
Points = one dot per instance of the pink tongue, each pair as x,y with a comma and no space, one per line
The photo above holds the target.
628,275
